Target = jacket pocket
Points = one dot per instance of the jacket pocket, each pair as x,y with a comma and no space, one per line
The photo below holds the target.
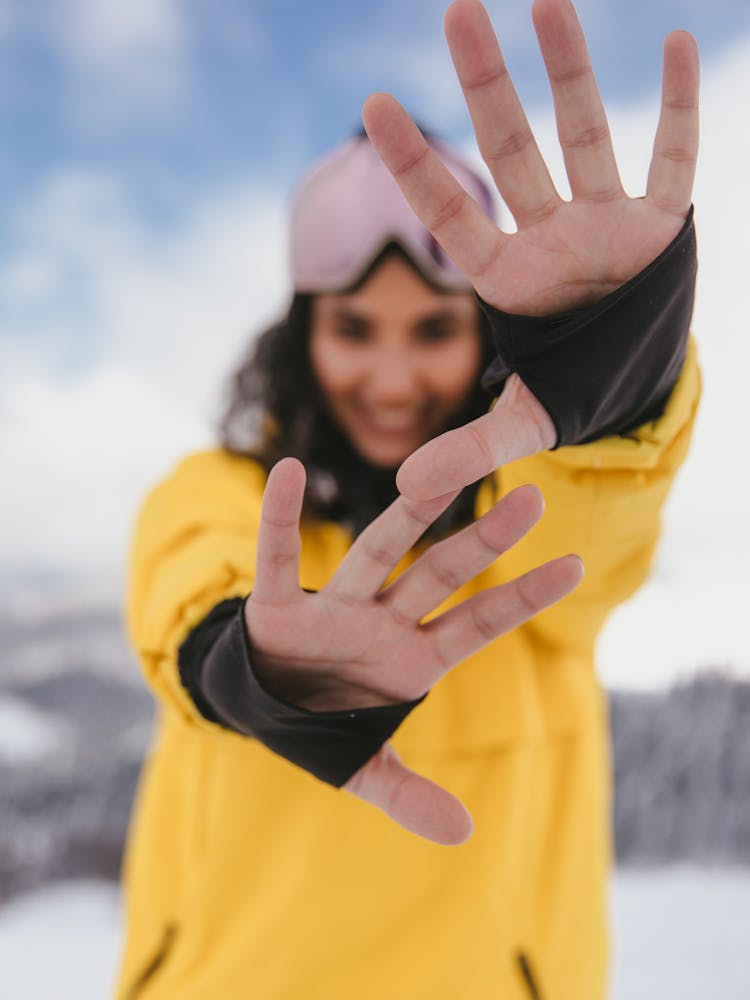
156,961
527,974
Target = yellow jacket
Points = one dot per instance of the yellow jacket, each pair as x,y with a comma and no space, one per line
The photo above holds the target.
247,878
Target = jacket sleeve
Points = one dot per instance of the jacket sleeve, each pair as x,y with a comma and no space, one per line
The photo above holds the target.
603,501
194,546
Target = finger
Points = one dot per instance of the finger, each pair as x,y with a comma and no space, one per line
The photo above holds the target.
581,121
381,546
517,425
448,565
503,134
670,179
418,805
277,566
464,231
463,630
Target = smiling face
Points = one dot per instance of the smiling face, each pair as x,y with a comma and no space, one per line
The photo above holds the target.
395,360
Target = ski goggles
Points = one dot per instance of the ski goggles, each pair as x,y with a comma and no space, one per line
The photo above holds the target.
348,208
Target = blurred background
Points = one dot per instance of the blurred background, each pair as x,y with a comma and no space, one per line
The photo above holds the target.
147,154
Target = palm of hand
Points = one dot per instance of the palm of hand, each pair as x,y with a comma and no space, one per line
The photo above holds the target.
576,256
356,645
331,654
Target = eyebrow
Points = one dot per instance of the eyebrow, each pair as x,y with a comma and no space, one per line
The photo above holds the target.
349,312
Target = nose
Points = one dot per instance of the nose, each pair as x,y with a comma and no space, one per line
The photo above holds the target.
393,377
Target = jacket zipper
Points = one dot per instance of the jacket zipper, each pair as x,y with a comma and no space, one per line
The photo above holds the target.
528,976
155,964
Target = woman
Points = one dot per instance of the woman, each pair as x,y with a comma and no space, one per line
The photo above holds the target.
280,660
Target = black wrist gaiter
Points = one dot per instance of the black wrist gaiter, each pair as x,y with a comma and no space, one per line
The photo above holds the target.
610,367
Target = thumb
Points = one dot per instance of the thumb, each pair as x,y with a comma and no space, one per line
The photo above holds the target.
414,802
518,425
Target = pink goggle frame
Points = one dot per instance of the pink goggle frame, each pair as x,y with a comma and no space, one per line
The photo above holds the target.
348,208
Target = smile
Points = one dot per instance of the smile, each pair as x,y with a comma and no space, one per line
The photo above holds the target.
396,422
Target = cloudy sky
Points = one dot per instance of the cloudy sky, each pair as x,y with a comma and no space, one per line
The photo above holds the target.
147,151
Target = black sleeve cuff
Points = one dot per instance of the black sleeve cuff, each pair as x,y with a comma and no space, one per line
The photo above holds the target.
611,367
216,669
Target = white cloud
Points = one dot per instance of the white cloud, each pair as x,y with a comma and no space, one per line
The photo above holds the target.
82,452
172,314
29,278
122,59
156,298
100,33
125,61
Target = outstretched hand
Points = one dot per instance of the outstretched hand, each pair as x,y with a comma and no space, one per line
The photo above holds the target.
566,254
358,643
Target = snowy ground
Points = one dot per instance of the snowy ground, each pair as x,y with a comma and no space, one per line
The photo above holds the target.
681,932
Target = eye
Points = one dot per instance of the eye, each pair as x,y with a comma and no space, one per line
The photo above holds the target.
353,330
435,331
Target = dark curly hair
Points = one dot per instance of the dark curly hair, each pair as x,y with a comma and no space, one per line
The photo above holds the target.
275,408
